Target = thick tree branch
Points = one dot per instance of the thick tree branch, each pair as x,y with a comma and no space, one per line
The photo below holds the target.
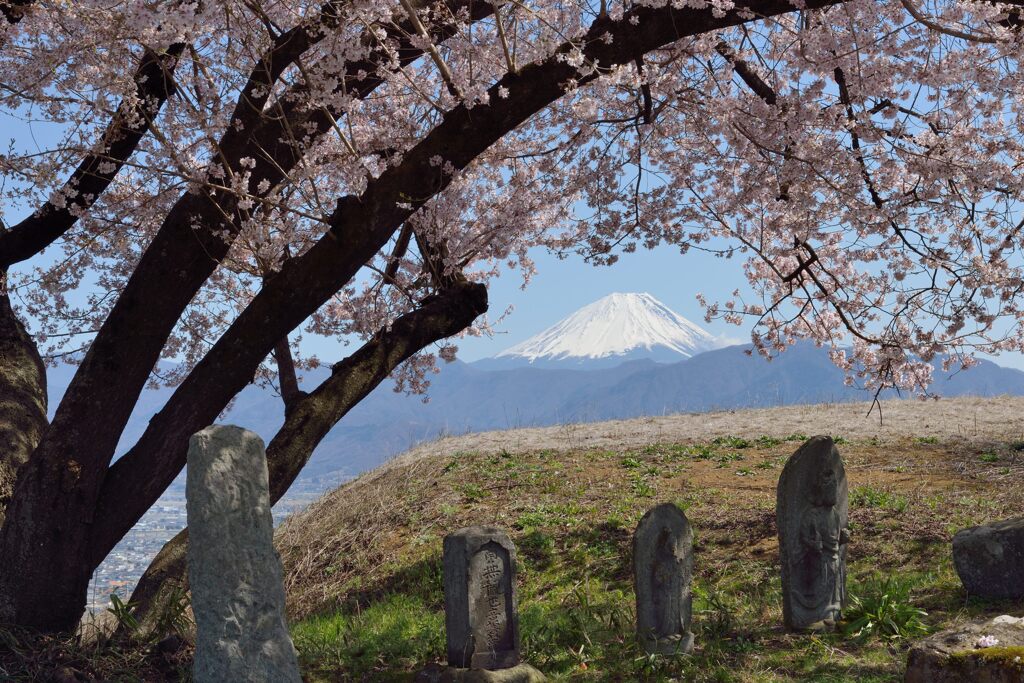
14,10
290,391
313,415
401,246
748,74
173,269
154,84
286,377
77,448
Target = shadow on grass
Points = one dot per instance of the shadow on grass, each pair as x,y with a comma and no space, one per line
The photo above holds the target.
859,673
420,580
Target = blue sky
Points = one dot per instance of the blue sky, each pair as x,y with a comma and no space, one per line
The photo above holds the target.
563,286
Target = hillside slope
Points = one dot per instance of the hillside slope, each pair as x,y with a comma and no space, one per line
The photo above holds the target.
363,564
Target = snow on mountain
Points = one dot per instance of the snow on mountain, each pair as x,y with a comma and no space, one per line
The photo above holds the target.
615,328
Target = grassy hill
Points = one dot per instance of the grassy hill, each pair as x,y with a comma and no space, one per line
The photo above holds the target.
363,569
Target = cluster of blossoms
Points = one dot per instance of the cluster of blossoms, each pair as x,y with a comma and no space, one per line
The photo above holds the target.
861,158
986,641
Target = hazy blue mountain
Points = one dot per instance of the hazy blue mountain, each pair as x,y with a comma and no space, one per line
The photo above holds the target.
484,396
465,398
730,378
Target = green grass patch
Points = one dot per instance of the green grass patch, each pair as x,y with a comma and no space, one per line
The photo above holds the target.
731,442
883,609
871,497
471,492
400,632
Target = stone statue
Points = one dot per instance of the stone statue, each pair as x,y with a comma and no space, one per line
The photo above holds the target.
812,516
662,571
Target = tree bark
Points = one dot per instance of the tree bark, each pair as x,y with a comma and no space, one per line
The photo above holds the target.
47,534
312,416
22,396
286,377
14,10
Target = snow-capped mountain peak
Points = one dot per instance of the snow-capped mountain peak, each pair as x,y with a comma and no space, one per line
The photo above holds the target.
617,327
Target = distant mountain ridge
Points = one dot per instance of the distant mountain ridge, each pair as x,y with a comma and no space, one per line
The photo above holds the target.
614,329
465,398
557,387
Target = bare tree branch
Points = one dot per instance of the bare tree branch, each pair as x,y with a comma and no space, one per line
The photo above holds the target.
360,227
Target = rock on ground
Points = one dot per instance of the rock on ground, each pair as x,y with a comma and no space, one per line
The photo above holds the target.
990,559
954,656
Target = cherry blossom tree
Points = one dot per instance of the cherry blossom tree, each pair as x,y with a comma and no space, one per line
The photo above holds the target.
234,173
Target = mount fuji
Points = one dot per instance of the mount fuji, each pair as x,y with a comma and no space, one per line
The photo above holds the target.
612,330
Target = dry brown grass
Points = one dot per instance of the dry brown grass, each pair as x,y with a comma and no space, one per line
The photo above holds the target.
965,419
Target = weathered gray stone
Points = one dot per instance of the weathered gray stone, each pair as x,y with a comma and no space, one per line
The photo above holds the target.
990,559
662,571
812,516
958,655
234,572
481,613
521,673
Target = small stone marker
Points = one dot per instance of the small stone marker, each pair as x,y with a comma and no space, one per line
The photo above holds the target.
990,559
234,572
986,651
481,614
480,611
812,513
662,571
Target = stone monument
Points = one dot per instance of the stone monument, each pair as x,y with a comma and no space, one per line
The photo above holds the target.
481,613
233,570
662,571
812,517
